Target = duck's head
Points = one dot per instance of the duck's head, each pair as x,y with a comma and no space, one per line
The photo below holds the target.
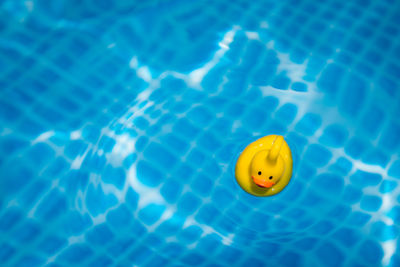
267,167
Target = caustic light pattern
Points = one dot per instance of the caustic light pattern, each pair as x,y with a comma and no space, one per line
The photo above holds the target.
120,126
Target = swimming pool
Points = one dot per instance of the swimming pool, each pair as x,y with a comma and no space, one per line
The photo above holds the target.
121,124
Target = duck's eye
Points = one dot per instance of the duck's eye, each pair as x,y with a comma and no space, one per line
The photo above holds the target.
259,173
270,177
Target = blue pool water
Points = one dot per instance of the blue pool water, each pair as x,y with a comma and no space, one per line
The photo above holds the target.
120,125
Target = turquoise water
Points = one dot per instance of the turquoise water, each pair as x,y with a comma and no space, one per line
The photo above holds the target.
120,125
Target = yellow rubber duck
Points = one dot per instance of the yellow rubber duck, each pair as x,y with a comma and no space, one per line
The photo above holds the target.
265,166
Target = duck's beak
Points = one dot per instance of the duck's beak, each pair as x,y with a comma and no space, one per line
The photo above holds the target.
262,183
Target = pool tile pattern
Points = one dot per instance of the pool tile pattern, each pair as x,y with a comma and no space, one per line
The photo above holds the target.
120,126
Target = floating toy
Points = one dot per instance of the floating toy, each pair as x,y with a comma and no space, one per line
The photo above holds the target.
265,166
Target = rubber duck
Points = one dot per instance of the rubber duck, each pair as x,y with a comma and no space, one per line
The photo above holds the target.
265,166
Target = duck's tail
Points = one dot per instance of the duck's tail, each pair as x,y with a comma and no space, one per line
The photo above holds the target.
276,148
